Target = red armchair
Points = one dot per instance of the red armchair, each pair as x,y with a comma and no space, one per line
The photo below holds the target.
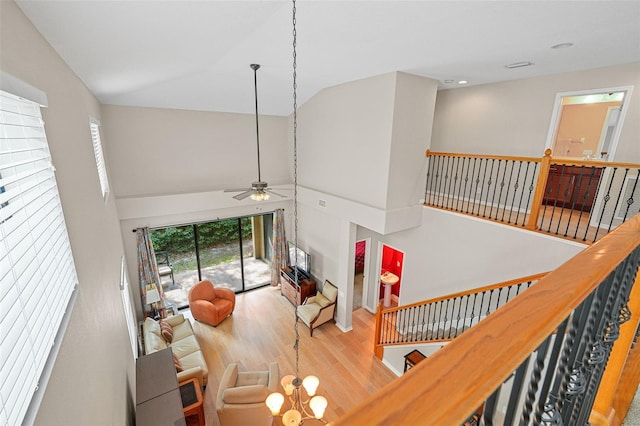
209,304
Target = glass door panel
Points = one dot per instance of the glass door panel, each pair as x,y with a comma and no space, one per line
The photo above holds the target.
220,253
257,270
177,262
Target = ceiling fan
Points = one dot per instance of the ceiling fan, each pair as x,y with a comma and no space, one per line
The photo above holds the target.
259,190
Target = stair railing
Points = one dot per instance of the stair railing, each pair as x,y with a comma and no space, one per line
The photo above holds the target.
578,200
444,318
547,357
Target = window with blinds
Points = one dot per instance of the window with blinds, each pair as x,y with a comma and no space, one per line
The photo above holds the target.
37,274
94,125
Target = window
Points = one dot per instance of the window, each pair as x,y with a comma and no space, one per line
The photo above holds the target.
128,308
37,274
94,125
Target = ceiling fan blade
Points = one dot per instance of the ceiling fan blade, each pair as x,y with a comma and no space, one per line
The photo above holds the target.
243,195
271,191
238,189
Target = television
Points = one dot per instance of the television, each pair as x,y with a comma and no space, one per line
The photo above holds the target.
299,257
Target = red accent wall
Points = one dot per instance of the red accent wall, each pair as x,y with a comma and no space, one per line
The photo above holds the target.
392,262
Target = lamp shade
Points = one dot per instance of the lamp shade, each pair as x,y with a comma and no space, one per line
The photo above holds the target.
318,404
310,384
274,402
152,295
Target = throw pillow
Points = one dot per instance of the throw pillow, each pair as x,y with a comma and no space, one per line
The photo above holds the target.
167,331
177,364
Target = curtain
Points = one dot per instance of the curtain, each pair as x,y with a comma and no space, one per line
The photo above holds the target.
148,269
280,255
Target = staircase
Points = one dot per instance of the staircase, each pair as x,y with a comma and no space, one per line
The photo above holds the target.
444,318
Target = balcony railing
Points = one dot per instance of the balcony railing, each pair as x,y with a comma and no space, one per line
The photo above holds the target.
444,318
552,355
579,200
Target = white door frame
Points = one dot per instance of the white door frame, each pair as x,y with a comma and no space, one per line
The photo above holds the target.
557,107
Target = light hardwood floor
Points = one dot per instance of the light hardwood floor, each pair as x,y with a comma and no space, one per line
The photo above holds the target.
262,330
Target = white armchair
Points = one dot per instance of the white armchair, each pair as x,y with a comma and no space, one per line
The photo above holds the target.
318,309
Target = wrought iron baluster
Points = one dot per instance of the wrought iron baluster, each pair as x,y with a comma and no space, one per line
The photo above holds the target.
558,339
490,406
506,196
532,187
504,172
613,212
516,390
606,199
489,183
484,177
429,180
630,200
515,191
445,193
465,197
526,173
469,199
450,177
439,180
459,177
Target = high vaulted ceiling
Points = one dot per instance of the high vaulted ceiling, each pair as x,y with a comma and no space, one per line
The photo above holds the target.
196,54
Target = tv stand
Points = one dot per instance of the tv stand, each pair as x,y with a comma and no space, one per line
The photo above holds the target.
296,293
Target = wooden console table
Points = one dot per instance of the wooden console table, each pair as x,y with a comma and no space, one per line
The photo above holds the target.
296,293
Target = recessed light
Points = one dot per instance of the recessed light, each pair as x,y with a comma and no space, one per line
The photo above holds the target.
519,65
462,82
561,45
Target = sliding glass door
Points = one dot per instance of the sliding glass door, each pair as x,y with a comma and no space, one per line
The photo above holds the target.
232,253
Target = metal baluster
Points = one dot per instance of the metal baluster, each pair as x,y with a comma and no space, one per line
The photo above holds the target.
516,390
515,190
606,199
504,172
433,196
458,308
459,181
558,339
630,199
526,173
490,406
439,180
484,177
493,161
466,181
574,198
470,194
585,197
428,181
451,179
489,303
506,196
613,212
532,186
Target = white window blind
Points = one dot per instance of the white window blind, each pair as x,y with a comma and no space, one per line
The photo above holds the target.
37,273
94,125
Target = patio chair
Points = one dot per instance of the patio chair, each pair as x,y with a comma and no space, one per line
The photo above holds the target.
164,266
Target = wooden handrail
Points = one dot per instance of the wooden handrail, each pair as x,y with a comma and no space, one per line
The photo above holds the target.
469,292
430,153
446,388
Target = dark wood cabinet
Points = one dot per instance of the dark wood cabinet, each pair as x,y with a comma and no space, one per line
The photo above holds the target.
572,187
296,293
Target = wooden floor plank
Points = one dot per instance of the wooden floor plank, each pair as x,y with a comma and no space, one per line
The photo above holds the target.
262,329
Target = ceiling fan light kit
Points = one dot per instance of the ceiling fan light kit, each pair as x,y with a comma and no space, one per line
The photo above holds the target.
259,190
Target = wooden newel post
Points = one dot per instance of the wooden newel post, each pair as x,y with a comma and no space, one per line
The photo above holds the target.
538,195
378,349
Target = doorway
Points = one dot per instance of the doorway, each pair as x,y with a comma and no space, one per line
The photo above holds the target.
586,125
358,274
390,278
231,253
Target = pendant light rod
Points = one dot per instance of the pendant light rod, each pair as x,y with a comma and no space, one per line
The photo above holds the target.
255,68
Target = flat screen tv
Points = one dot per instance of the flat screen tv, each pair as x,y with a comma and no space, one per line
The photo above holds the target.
302,258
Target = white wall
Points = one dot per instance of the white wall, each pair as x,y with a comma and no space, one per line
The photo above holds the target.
155,151
93,379
513,118
344,139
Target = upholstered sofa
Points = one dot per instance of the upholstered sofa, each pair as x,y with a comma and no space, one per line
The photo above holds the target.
184,344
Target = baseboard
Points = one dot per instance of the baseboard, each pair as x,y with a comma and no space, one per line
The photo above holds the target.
391,367
343,329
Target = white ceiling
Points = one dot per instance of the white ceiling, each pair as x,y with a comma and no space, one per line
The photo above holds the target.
196,54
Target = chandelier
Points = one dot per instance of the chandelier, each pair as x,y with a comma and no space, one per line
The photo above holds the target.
311,406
